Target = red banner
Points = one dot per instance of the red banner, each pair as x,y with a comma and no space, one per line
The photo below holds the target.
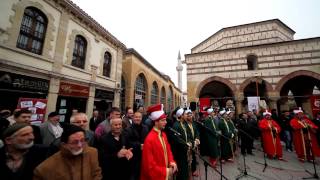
204,103
36,106
67,89
315,104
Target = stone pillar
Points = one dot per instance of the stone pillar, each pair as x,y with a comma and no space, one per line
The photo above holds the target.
239,99
306,106
273,103
90,101
116,100
52,95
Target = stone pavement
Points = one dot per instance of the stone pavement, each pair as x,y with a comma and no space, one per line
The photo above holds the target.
276,170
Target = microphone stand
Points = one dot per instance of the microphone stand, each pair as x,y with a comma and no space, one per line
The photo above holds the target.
245,173
315,175
219,144
206,163
265,160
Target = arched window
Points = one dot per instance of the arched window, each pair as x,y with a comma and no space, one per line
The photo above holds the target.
107,64
79,52
32,31
123,94
140,90
154,93
170,100
163,96
252,62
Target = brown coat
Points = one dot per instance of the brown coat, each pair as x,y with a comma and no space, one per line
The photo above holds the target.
64,165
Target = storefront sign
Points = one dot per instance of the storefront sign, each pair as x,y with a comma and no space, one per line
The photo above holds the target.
67,89
315,104
20,82
102,94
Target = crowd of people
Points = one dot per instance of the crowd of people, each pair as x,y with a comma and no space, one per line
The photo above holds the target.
146,145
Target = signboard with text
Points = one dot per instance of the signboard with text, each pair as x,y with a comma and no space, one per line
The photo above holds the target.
68,89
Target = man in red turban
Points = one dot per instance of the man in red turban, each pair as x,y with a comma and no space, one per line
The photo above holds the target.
157,160
270,131
304,137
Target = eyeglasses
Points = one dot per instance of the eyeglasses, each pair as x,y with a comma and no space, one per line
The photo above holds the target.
78,142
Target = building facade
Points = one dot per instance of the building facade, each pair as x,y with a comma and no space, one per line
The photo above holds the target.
144,85
53,50
257,59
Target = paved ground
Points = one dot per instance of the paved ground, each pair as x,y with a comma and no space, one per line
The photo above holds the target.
276,170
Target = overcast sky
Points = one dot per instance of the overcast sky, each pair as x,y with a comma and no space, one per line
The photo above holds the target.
159,29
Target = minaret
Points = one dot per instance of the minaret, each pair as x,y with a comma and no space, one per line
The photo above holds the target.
179,69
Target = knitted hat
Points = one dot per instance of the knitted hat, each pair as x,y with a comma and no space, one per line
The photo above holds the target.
266,113
12,129
156,112
297,111
179,112
68,130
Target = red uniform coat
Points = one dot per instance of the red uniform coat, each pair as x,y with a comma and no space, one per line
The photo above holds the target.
156,156
299,139
271,144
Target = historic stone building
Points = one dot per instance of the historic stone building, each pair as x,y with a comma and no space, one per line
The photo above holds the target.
260,58
53,50
144,85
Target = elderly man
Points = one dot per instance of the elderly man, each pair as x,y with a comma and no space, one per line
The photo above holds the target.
51,130
19,156
75,160
115,154
135,136
104,127
24,116
81,120
270,132
157,160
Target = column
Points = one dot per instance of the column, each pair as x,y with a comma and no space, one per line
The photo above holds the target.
239,100
52,95
90,101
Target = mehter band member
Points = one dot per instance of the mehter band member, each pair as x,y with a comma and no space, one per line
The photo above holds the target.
157,160
270,131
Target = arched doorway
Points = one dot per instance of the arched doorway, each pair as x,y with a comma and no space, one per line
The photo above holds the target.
218,93
297,91
256,87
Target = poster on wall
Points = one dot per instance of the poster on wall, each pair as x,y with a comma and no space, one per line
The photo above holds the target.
253,103
36,106
204,103
315,104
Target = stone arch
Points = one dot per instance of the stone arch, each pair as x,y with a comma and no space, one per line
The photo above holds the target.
245,83
218,79
294,74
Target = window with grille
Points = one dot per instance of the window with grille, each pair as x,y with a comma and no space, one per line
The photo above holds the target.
140,90
163,96
79,52
32,31
107,64
154,93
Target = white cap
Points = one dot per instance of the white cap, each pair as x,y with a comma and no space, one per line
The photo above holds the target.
209,111
266,113
296,111
222,112
179,112
228,112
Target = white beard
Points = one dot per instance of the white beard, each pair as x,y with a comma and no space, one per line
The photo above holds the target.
24,146
75,153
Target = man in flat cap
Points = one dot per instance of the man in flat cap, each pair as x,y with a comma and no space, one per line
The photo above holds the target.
19,156
75,160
